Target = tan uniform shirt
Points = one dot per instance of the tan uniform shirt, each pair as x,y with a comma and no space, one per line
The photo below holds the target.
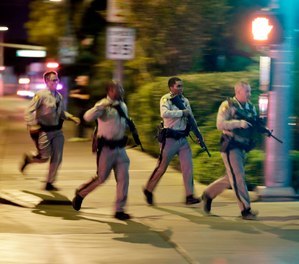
46,109
227,121
110,125
173,116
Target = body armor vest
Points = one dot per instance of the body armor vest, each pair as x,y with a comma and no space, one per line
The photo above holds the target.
248,133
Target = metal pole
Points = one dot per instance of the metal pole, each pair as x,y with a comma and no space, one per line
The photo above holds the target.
118,71
1,49
277,164
1,63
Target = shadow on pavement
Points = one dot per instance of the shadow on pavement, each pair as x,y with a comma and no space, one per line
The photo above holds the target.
133,231
290,232
54,199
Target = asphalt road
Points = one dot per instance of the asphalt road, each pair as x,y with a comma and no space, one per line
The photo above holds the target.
41,227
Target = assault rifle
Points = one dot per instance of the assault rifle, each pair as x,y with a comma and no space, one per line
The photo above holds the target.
256,122
131,126
176,100
134,132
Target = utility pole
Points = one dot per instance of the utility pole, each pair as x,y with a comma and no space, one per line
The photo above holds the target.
2,67
277,166
120,39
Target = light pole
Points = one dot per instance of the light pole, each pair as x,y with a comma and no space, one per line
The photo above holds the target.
67,6
67,47
277,163
2,30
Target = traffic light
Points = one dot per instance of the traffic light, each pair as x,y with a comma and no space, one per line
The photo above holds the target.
266,28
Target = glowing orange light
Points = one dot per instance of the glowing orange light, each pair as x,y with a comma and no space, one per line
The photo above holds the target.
261,28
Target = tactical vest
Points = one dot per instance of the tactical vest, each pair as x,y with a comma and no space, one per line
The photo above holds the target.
247,133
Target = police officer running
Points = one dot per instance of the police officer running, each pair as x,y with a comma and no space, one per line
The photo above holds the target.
173,141
236,140
44,116
110,113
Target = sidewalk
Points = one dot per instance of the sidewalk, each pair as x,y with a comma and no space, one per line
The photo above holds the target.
46,230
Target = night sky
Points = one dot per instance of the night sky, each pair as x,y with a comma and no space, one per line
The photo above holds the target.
14,14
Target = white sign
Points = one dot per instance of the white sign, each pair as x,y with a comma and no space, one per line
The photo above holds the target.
120,43
265,72
67,50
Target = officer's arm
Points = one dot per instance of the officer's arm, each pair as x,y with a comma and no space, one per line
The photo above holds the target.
80,96
81,93
97,111
224,118
30,113
68,116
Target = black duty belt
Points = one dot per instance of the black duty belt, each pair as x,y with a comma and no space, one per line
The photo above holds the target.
112,144
52,128
176,134
228,143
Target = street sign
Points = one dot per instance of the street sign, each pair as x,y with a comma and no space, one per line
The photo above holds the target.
31,53
120,43
67,50
265,73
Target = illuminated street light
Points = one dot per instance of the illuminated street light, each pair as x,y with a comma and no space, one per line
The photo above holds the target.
263,105
2,30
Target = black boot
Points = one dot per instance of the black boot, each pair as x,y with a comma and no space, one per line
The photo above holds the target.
249,214
190,199
207,203
77,201
51,187
122,216
26,161
148,196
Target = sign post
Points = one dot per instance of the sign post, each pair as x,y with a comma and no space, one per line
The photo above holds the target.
2,29
67,50
120,40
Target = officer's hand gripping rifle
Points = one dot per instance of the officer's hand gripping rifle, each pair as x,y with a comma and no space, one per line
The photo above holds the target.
176,100
257,123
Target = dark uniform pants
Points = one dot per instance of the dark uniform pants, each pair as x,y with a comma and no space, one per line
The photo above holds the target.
49,146
235,178
111,159
171,148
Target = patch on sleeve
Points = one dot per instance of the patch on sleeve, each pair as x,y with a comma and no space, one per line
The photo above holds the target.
164,100
224,108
